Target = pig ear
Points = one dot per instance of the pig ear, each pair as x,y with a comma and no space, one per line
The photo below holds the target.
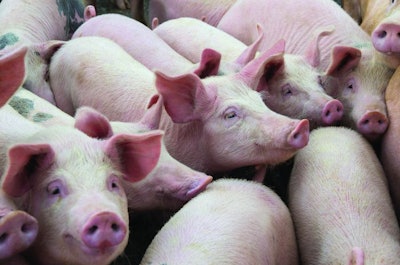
185,97
12,73
48,48
312,54
274,66
253,71
93,123
89,12
343,59
356,257
135,154
250,52
152,116
25,160
154,23
209,63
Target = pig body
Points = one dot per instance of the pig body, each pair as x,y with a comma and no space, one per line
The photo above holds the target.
390,143
341,208
347,54
74,190
231,222
207,115
140,42
287,92
33,23
210,11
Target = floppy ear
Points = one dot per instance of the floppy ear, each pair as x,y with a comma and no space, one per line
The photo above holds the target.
250,52
25,161
12,73
185,97
312,55
93,123
343,59
135,154
47,49
209,63
152,117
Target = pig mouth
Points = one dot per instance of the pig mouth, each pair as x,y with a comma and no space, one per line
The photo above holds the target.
100,253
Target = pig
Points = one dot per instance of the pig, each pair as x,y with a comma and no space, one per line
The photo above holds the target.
346,55
203,231
390,144
287,92
208,10
144,45
341,208
220,117
380,19
71,183
36,23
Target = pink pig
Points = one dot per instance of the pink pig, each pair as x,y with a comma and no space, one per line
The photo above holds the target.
33,23
341,207
212,125
231,222
71,183
347,54
144,45
287,92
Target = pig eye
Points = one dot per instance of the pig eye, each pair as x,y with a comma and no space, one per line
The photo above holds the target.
287,91
56,189
113,184
230,115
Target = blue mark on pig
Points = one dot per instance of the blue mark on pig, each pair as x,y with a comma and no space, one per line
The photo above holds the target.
41,117
8,39
22,105
73,11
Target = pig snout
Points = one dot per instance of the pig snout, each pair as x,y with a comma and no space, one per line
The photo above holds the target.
104,230
196,188
372,124
386,38
298,138
332,112
18,230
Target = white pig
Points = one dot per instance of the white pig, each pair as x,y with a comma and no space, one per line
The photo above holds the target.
340,203
231,222
211,125
347,54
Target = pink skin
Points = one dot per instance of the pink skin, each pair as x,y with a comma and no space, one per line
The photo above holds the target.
215,116
12,72
360,227
218,219
36,23
170,184
209,10
144,45
346,54
390,147
57,193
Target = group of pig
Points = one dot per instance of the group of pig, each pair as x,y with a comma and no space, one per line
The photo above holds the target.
103,116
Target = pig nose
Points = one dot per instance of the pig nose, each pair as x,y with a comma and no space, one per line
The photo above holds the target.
332,112
298,138
373,123
104,230
18,230
386,38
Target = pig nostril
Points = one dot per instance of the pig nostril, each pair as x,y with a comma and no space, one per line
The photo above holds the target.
115,227
3,237
366,121
382,34
327,113
93,229
296,135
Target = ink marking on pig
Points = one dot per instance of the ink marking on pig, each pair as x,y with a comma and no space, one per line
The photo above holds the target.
73,11
8,39
41,116
22,105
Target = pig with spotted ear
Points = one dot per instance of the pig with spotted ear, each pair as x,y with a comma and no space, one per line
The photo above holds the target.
208,10
71,183
37,22
346,55
146,46
390,146
292,87
170,184
18,229
231,222
222,118
341,208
